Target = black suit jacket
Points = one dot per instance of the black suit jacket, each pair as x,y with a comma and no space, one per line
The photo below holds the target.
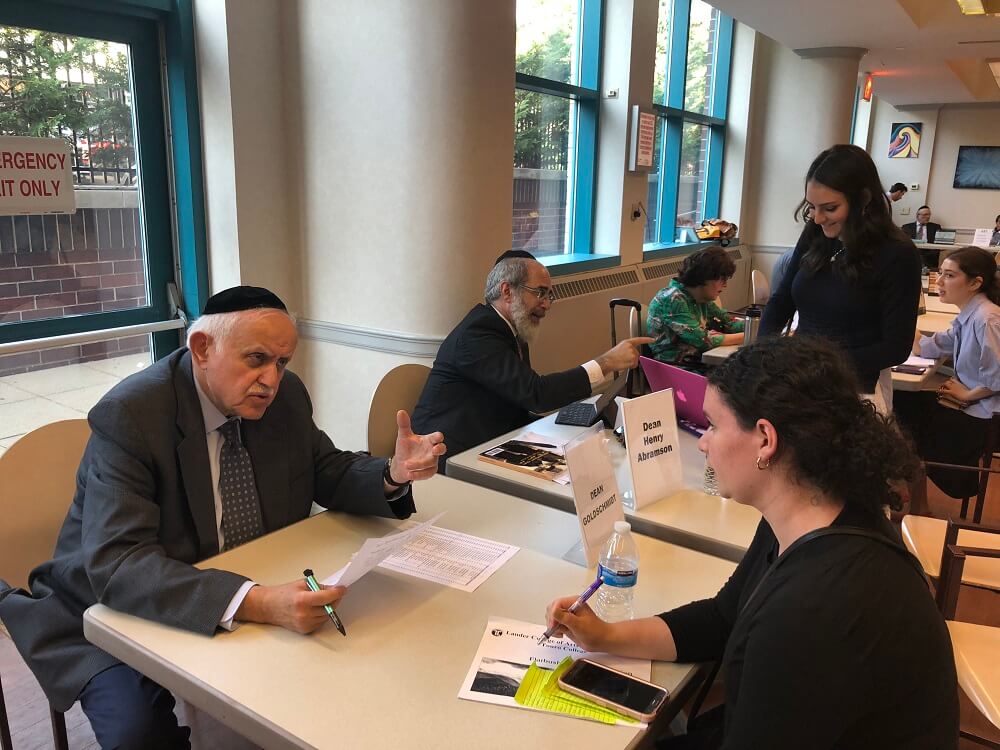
911,230
144,511
481,387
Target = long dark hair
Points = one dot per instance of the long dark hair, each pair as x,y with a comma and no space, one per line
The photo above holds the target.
973,262
829,438
851,171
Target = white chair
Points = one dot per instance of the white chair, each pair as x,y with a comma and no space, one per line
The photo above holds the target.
38,476
760,288
927,538
399,388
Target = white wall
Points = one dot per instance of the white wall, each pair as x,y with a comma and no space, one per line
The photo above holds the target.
907,171
246,149
401,117
628,60
974,125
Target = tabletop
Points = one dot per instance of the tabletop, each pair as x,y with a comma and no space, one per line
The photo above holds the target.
393,681
708,523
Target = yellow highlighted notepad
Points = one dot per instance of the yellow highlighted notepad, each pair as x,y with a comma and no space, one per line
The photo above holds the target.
540,690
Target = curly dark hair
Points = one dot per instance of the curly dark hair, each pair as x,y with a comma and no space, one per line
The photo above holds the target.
849,170
830,438
973,262
704,265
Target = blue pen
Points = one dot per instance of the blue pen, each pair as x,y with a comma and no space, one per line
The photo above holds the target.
581,600
314,585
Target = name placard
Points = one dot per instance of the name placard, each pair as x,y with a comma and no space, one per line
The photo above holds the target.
36,176
652,445
982,237
595,491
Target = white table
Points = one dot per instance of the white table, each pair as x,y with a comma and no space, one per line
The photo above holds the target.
691,518
393,681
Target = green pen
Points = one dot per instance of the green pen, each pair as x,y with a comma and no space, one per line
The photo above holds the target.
314,585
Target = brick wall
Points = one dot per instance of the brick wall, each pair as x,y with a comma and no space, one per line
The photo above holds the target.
539,218
74,264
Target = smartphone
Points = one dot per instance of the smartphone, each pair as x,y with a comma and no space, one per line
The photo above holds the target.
910,369
616,690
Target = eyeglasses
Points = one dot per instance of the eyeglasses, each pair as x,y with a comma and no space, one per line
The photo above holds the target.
541,292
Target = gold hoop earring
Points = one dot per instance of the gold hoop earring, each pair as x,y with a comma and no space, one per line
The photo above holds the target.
765,466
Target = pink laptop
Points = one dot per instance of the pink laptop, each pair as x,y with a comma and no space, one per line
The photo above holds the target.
689,390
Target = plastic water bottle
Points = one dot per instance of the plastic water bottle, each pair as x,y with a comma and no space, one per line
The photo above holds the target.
925,279
619,569
710,484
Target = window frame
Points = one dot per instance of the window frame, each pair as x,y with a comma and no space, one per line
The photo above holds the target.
161,34
673,117
582,169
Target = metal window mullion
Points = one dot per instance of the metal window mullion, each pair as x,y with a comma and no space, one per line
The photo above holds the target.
722,70
674,136
554,88
713,170
591,16
679,30
581,221
698,117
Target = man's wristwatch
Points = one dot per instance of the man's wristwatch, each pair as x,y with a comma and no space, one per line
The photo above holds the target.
387,476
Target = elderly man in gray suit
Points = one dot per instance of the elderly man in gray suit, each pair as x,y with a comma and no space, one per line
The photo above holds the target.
198,453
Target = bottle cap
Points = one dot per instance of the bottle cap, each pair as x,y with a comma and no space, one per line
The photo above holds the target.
622,526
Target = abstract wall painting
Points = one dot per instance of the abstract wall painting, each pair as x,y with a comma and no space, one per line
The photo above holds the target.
904,142
978,167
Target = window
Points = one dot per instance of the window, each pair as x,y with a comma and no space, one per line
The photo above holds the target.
555,126
690,91
96,77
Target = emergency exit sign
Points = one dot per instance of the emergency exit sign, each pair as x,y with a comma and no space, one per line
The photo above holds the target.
35,176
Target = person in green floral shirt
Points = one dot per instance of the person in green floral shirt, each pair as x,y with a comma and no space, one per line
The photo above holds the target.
684,316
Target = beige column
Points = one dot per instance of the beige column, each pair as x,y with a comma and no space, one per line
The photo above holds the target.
802,103
400,132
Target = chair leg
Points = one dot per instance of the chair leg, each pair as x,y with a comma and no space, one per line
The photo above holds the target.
5,741
59,737
965,507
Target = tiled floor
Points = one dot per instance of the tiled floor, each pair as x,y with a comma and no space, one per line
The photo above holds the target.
32,399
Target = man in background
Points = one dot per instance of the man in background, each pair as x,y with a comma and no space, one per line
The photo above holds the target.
923,229
482,384
897,191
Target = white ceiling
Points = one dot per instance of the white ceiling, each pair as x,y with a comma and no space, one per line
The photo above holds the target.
914,46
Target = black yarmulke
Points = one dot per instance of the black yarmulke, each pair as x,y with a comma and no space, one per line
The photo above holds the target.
515,254
239,298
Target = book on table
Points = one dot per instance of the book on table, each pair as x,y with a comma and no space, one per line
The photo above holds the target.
542,460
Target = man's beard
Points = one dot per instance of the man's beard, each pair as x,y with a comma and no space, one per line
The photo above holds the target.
525,326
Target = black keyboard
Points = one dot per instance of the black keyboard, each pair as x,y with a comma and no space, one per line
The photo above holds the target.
580,414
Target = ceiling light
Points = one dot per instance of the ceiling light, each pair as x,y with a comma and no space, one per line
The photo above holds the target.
979,7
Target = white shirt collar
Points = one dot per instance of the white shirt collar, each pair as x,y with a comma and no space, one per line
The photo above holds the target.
214,419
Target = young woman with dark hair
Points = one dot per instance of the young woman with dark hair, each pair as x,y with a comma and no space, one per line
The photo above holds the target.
854,277
827,634
950,426
685,317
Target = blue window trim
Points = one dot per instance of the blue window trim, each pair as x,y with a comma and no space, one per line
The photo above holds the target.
570,263
673,117
585,116
139,23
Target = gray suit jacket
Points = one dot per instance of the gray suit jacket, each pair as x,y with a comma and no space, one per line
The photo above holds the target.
144,511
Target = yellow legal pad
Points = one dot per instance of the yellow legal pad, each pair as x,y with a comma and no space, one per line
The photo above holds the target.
540,689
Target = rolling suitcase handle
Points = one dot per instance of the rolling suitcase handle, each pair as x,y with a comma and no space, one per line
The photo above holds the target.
630,385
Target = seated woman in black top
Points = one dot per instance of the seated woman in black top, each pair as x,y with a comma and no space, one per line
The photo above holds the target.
854,277
827,633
